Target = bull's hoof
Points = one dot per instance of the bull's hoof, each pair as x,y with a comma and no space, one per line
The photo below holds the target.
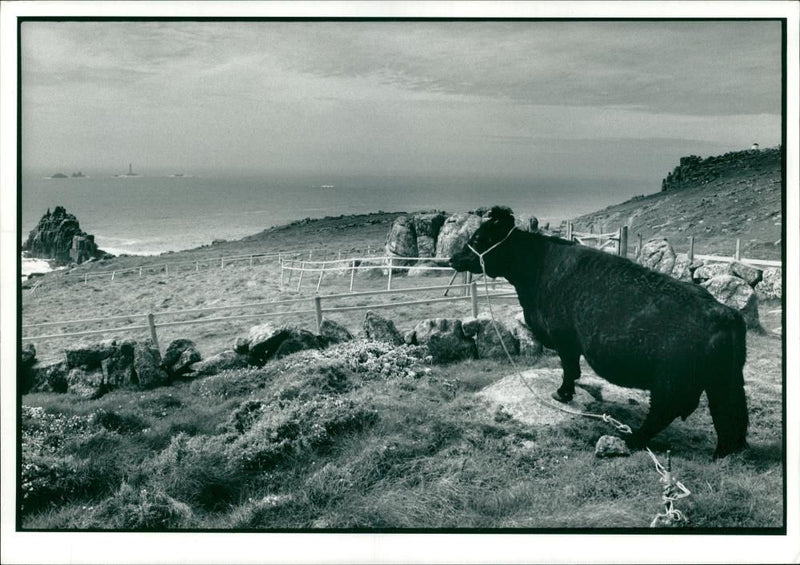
561,398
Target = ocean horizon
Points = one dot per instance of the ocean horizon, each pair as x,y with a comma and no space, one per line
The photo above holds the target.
154,214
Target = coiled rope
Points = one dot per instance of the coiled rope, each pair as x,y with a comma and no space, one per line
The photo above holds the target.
673,490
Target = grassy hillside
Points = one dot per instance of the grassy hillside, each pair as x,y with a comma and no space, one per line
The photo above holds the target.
323,440
735,197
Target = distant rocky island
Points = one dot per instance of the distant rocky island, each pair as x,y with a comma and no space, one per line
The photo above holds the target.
58,237
76,175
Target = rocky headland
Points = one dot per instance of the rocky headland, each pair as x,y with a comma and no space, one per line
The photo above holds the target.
58,237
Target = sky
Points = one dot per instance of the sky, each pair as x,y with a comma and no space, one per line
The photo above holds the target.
510,98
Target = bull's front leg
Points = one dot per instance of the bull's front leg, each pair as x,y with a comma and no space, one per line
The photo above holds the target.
571,366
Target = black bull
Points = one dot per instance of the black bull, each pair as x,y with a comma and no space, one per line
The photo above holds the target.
635,327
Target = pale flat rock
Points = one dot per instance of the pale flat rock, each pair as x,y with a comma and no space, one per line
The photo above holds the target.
538,408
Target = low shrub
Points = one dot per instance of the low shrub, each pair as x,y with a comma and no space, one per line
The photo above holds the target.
116,422
196,470
142,509
297,429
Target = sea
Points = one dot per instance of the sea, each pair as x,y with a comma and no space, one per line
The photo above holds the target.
153,214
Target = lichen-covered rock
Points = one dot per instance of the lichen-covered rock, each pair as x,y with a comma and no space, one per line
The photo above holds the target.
427,228
527,223
27,355
118,366
87,383
658,255
529,346
682,269
333,332
771,285
709,271
266,340
445,340
178,357
487,341
749,274
224,361
380,329
611,446
27,358
147,371
455,232
401,241
48,377
737,294
298,340
89,355
241,345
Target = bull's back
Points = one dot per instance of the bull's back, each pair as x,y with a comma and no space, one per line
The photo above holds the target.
630,323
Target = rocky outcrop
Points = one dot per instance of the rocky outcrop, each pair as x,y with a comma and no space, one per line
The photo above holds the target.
58,236
455,232
179,356
225,361
734,292
529,346
401,241
771,285
444,338
487,341
427,228
749,274
694,170
708,272
333,332
657,254
380,329
267,341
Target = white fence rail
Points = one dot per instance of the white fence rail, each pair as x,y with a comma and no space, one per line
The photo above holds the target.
316,304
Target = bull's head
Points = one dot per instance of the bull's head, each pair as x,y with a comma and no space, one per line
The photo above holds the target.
486,243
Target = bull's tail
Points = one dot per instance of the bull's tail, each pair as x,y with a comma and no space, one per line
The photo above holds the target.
725,388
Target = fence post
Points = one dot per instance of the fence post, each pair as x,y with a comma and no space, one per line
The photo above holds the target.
352,275
166,270
251,260
291,271
140,272
197,266
113,274
302,272
321,272
280,260
391,264
569,231
151,322
222,262
473,292
86,278
623,241
690,254
737,255
318,311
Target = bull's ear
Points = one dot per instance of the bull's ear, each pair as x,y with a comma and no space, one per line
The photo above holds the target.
502,216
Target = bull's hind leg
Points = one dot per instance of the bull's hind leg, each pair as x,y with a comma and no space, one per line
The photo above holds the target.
570,364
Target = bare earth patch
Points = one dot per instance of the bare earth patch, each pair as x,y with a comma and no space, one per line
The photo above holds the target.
519,401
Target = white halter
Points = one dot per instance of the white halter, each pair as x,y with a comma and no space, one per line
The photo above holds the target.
480,255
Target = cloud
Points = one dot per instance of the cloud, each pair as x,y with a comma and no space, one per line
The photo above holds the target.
374,94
